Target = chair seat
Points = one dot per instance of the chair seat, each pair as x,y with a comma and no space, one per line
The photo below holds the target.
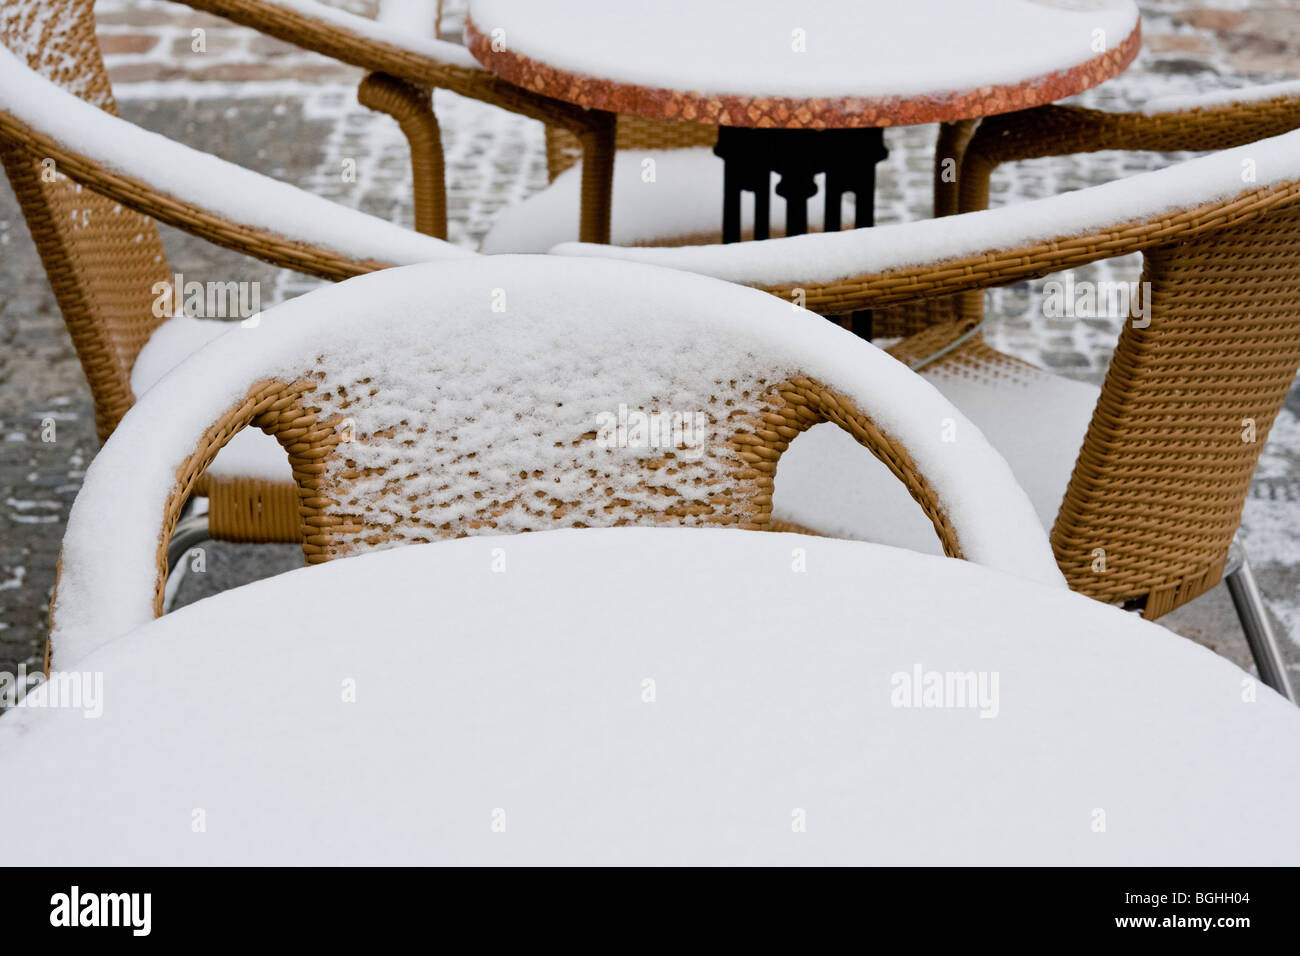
1037,421
251,453
681,206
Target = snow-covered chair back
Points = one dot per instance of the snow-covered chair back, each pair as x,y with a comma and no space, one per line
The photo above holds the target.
1200,371
515,393
102,260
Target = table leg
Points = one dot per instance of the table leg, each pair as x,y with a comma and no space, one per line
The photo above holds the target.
863,185
731,179
848,157
762,186
796,187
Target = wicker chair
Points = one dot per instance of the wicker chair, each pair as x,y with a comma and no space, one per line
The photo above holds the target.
91,185
404,68
409,418
582,146
1143,482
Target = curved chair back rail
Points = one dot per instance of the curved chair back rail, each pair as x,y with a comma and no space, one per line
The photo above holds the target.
515,393
1162,476
102,260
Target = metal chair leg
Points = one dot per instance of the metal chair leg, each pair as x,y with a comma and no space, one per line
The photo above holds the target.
190,530
1254,621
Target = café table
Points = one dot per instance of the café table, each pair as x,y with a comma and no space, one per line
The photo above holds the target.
802,89
665,696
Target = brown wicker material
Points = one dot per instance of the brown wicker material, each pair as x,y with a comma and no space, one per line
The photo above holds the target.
94,229
101,263
592,128
729,485
1161,479
1064,130
411,106
796,113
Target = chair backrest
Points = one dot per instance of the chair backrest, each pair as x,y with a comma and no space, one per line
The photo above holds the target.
102,261
504,394
1160,483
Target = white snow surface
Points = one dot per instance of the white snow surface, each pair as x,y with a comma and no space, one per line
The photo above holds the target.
251,453
851,48
1036,421
410,29
826,257
226,189
518,698
684,199
1241,96
578,338
417,17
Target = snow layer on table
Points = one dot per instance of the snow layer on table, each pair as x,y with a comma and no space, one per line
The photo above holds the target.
523,691
476,396
1242,96
684,200
407,29
862,48
251,453
409,17
226,189
826,257
1036,421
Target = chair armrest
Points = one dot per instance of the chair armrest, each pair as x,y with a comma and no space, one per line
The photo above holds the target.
378,47
836,273
196,192
1201,123
798,371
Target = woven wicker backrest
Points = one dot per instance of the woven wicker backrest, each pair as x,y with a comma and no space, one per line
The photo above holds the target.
1159,486
633,132
102,260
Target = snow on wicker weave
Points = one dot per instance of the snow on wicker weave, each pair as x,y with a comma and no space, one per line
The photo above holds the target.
46,39
515,389
1246,94
211,183
827,257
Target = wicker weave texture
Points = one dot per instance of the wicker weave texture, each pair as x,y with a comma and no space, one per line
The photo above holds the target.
102,260
1188,402
360,489
1161,480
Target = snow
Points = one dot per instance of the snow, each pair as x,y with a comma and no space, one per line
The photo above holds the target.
231,191
475,396
519,698
1036,421
684,199
826,257
408,29
851,48
409,17
1237,97
251,453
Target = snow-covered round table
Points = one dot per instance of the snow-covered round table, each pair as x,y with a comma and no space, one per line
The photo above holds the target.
654,696
769,72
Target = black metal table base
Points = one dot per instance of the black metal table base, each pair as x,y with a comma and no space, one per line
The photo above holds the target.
847,157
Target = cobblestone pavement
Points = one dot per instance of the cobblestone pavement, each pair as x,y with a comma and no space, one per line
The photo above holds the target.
293,115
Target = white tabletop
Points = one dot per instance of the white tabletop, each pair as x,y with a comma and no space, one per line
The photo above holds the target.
665,696
884,53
